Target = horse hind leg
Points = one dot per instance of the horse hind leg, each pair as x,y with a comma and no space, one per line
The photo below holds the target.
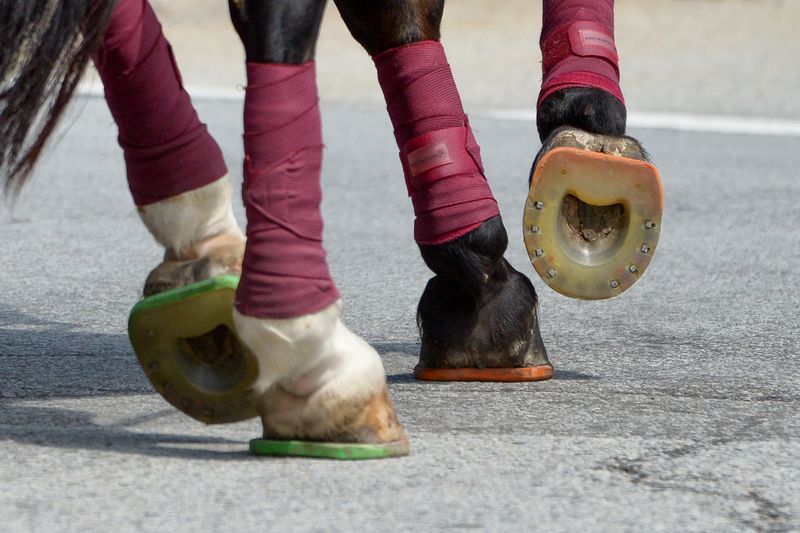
321,390
176,172
477,316
179,183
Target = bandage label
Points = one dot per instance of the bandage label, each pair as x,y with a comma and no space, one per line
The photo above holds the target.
428,157
591,39
595,38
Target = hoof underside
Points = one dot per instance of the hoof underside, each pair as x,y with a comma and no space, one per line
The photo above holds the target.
184,341
328,450
592,221
505,375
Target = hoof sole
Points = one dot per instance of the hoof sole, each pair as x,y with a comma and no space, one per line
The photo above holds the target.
184,340
328,450
505,375
592,221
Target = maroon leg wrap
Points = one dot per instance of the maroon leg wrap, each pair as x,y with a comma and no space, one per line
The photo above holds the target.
284,274
168,151
578,47
440,157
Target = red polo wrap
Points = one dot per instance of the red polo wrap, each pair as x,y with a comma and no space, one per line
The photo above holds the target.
284,274
578,47
168,151
440,157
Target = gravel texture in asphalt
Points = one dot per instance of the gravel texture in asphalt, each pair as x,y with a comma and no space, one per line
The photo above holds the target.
674,407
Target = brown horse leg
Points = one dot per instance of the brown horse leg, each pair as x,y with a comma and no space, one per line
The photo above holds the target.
477,316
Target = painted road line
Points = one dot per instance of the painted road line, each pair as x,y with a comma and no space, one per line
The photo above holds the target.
233,94
684,122
641,119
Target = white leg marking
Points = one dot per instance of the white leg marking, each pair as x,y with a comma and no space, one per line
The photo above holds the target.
180,221
311,355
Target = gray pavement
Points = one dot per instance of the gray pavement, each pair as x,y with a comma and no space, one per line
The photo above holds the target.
724,57
673,408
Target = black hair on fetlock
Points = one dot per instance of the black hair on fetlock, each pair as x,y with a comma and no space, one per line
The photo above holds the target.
470,260
586,108
46,46
518,300
498,328
477,310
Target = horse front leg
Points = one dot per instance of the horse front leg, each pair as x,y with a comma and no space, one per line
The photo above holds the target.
477,316
318,382
593,213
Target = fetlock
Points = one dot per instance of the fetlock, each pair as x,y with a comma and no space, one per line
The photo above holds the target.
478,311
586,108
318,380
200,236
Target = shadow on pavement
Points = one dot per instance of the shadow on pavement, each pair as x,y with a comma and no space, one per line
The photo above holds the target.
41,358
410,349
64,428
24,335
573,375
405,377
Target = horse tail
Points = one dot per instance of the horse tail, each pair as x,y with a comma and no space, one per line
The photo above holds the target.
46,46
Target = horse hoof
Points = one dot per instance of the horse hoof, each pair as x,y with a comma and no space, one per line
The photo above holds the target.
494,339
184,340
211,257
349,430
322,389
593,214
370,431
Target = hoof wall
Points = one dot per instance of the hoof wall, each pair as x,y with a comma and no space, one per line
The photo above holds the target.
592,221
184,340
505,375
328,450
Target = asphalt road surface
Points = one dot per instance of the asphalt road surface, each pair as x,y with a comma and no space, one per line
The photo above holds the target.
674,407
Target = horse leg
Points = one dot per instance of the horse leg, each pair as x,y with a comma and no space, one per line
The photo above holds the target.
477,316
580,110
317,380
176,172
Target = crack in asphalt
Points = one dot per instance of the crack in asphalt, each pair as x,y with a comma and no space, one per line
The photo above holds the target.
770,517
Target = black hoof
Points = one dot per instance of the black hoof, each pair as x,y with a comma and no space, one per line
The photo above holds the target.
572,137
478,312
499,330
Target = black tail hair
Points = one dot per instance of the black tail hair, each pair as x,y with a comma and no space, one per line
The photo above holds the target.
46,47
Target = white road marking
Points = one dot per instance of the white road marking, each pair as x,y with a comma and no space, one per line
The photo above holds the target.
642,119
684,122
95,89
